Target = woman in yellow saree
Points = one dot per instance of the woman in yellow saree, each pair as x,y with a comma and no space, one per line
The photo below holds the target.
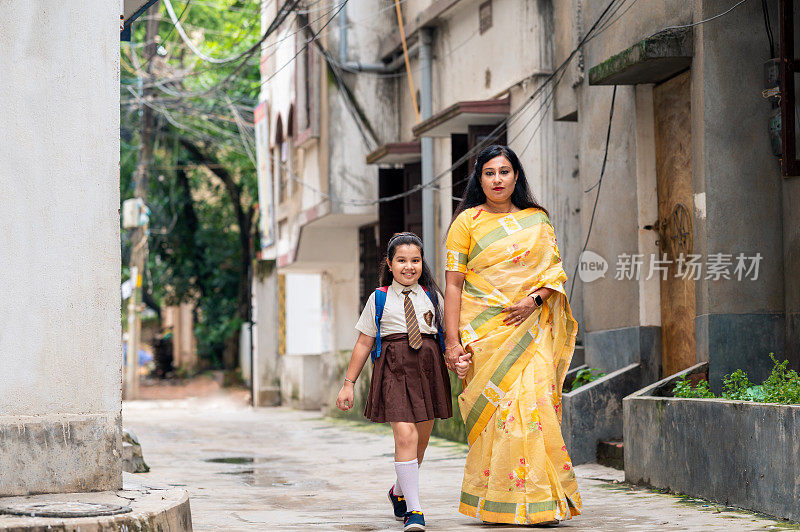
510,335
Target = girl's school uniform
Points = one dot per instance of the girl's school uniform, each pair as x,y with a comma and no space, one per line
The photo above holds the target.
407,384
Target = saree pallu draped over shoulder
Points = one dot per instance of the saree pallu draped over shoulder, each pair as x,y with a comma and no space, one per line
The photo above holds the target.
518,469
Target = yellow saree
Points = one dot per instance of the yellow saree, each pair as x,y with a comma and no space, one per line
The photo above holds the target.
518,469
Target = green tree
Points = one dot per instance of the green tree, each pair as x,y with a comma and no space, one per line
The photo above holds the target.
202,186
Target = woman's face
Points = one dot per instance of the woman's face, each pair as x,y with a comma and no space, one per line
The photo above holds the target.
406,265
498,179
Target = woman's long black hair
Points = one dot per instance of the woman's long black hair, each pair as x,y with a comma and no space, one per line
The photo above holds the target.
522,197
426,279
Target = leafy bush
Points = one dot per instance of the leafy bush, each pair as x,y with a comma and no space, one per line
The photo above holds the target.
737,387
683,388
782,386
585,376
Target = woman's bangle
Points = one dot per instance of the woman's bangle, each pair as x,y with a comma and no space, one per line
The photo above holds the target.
451,347
351,382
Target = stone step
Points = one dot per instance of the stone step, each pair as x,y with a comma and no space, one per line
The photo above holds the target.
611,453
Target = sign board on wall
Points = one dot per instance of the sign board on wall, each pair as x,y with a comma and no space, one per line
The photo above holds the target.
264,169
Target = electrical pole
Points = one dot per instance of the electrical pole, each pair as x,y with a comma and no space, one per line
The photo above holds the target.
141,179
426,104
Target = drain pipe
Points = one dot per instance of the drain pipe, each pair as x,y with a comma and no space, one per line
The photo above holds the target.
343,35
358,66
426,111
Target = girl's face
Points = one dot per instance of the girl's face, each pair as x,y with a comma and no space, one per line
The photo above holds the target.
406,265
498,179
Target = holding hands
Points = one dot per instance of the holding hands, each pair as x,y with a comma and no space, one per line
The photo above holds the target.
457,360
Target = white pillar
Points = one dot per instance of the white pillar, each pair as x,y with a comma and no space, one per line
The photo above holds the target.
60,354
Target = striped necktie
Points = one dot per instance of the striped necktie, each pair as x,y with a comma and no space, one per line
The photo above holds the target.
414,336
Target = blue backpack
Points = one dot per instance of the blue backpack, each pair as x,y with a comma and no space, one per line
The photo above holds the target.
380,302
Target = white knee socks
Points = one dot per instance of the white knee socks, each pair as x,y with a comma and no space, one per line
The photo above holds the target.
398,489
408,480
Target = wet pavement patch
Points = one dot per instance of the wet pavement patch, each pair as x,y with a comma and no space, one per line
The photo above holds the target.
242,460
232,460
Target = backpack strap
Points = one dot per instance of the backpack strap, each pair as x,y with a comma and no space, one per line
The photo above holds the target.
439,333
380,302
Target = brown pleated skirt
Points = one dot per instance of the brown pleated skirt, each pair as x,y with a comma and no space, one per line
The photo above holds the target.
409,385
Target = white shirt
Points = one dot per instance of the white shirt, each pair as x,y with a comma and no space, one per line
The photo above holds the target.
393,320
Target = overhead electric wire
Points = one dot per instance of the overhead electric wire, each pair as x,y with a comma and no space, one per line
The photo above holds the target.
768,26
200,134
503,124
199,53
358,118
510,118
699,22
180,17
283,12
314,36
492,135
242,133
599,183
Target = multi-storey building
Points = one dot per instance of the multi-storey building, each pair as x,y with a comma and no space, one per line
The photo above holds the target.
684,152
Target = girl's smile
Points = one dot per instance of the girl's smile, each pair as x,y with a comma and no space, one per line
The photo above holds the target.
406,265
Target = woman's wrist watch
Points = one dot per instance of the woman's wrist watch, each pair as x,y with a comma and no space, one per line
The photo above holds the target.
537,299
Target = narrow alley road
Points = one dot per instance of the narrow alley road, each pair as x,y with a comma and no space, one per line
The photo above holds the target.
280,469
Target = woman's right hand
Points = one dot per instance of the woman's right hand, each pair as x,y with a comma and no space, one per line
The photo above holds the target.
344,401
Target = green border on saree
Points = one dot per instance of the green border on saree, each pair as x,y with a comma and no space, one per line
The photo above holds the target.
511,507
500,232
497,378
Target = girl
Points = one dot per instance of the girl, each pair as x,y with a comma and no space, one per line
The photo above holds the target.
410,385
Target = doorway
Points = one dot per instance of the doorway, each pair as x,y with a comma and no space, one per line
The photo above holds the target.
673,146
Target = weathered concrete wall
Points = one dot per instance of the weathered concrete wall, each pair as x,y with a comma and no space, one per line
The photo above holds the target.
733,452
616,348
593,412
266,360
311,377
740,181
468,65
350,176
60,354
615,230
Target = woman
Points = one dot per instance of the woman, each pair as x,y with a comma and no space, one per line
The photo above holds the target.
505,294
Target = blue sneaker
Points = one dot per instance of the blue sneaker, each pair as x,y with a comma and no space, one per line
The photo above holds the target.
398,503
414,521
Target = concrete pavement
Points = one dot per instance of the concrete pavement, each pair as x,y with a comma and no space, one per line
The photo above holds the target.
281,469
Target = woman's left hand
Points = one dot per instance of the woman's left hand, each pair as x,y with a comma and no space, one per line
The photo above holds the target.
519,311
